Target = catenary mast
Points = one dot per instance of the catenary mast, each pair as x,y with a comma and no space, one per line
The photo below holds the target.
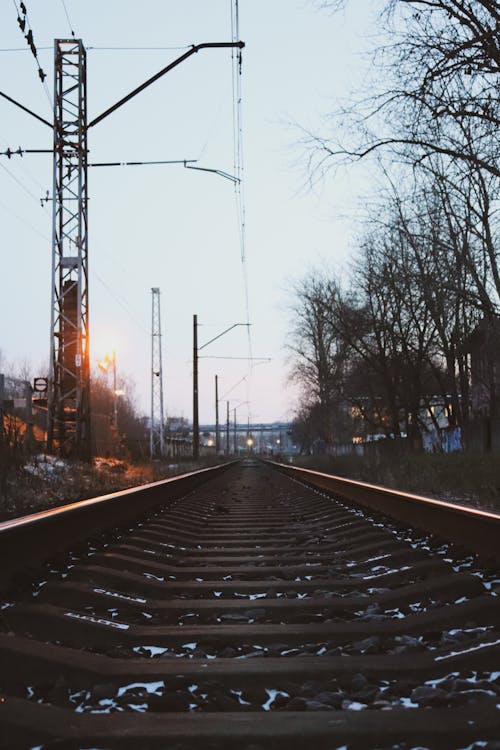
69,380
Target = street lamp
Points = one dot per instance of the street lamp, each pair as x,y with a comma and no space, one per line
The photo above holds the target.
235,432
196,350
104,366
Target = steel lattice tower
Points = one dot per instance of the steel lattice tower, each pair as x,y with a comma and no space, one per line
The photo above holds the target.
69,382
156,431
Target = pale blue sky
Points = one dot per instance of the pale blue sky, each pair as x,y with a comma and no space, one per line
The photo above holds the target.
166,226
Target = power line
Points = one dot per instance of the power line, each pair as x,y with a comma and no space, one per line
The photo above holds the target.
68,19
236,60
21,49
24,23
139,49
19,152
121,302
239,191
213,126
102,49
233,387
18,181
24,221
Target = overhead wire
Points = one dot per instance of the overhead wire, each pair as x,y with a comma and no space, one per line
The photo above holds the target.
68,18
103,49
141,49
213,126
236,59
233,387
23,24
133,316
239,189
18,181
23,168
24,221
20,49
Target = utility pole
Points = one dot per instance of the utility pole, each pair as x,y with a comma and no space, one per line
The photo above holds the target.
196,424
235,444
69,378
217,431
196,350
227,428
156,430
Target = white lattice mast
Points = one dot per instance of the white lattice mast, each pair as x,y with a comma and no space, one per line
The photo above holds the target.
69,382
156,431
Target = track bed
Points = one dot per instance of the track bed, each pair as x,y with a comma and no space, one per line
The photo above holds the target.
254,613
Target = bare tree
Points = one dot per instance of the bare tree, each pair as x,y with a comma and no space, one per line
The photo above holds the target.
435,90
317,353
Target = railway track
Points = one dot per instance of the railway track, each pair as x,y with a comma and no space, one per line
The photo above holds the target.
253,612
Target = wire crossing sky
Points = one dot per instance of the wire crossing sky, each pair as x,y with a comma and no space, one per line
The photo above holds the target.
167,226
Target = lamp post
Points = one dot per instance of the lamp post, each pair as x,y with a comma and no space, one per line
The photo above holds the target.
115,395
104,365
235,426
196,350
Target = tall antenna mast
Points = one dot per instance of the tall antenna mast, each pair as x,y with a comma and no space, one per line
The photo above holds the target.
156,430
69,380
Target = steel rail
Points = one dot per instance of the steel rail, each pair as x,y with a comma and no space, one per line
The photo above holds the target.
474,529
173,633
29,540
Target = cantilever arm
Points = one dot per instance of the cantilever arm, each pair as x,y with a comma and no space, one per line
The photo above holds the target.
195,48
215,171
25,109
235,325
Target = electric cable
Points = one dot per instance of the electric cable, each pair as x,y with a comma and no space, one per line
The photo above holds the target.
23,168
233,387
20,49
121,302
134,49
68,19
18,181
23,22
239,190
24,221
213,126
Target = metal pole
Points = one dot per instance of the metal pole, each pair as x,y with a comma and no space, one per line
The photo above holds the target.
157,422
69,381
235,445
115,402
28,391
196,425
217,432
152,423
227,428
